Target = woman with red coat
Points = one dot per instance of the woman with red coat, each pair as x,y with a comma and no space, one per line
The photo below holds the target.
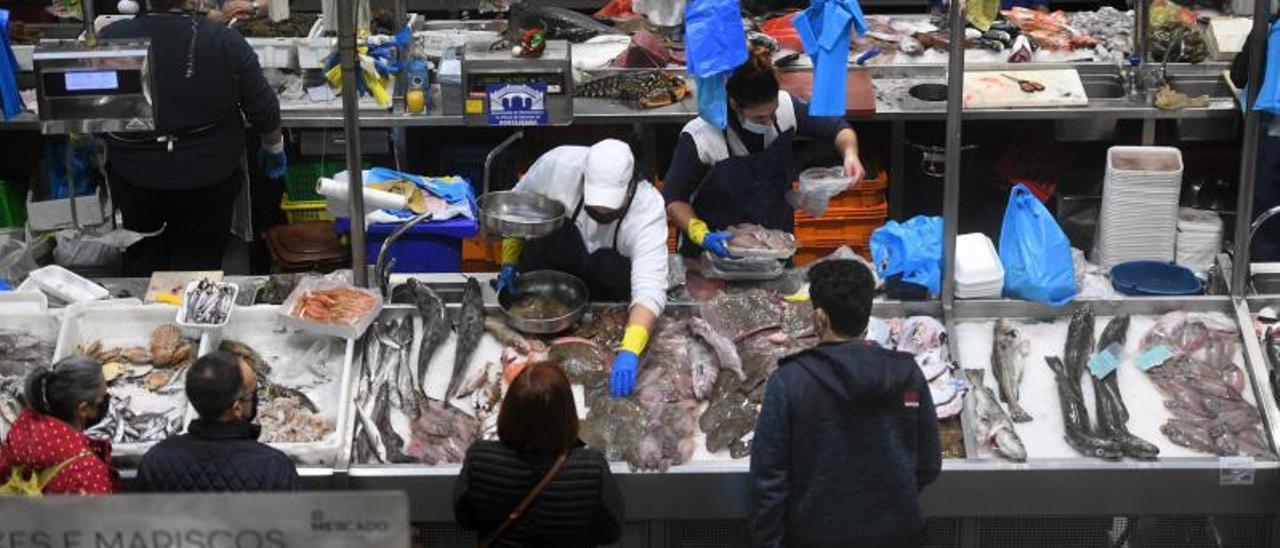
61,402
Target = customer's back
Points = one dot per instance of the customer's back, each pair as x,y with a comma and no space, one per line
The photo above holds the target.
220,451
846,439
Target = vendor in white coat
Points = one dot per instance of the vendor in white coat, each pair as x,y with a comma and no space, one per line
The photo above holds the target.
616,240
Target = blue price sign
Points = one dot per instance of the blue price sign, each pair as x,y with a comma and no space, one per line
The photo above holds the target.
517,104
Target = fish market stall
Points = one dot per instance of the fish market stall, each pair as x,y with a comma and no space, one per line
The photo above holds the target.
27,340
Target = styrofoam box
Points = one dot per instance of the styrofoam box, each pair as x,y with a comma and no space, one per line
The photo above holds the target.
123,326
24,54
276,52
56,214
43,325
977,262
262,328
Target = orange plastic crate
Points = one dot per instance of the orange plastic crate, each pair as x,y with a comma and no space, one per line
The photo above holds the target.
810,253
854,226
870,193
481,254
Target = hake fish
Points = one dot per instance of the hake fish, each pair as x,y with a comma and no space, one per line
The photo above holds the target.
1007,351
470,329
994,427
1075,417
1112,414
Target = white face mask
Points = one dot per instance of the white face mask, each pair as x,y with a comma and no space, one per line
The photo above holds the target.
758,129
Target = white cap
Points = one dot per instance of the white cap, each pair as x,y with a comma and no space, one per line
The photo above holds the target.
608,173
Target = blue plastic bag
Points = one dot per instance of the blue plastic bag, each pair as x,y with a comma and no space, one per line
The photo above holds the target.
1269,93
715,44
1035,253
912,249
824,30
10,100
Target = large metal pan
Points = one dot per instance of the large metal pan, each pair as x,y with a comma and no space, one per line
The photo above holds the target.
556,285
513,214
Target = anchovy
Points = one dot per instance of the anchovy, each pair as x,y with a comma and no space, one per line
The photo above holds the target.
994,427
470,329
1112,414
1007,351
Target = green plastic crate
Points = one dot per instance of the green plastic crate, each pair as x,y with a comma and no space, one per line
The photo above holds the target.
13,205
300,179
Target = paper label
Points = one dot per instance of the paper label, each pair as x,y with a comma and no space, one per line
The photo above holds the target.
1103,363
1154,357
1235,470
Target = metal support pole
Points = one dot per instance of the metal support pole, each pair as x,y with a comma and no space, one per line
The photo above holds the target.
403,55
1142,24
351,127
897,169
90,33
1249,150
951,189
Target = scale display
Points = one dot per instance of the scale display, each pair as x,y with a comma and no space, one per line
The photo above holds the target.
98,80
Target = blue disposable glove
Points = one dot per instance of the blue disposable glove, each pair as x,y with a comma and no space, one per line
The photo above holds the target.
507,278
715,243
624,373
273,164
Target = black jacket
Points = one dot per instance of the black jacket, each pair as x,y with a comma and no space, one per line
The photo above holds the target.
205,109
216,457
580,507
1240,65
846,439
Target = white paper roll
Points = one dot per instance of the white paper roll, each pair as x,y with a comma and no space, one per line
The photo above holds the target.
373,199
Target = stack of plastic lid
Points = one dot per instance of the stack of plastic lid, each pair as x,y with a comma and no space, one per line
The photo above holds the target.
1139,213
1199,238
979,274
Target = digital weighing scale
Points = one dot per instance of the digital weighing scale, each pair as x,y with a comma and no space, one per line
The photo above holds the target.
106,88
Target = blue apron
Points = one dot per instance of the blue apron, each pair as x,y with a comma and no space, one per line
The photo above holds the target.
747,189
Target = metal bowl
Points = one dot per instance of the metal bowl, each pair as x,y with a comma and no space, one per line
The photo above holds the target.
513,214
553,284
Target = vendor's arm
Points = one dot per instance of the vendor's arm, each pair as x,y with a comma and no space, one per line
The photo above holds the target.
645,242
684,176
834,129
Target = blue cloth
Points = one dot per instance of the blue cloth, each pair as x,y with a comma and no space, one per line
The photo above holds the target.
10,99
713,99
912,249
847,437
1269,94
451,190
824,30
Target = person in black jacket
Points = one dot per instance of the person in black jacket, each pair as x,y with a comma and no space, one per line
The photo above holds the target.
537,423
220,451
847,436
184,177
1266,187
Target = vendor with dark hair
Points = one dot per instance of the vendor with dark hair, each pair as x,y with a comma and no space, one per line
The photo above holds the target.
185,176
847,436
560,492
220,451
722,177
61,403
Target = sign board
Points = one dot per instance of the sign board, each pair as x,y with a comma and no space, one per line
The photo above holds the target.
309,519
517,104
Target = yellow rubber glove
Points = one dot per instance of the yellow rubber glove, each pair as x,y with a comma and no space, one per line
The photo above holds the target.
634,339
697,230
512,248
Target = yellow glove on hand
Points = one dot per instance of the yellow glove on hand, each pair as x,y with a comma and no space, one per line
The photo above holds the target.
697,230
635,339
512,248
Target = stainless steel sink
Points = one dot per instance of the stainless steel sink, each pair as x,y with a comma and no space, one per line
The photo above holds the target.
1197,86
1264,278
1103,87
1214,129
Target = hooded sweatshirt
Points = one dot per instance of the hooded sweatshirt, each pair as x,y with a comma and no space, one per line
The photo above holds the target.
846,439
37,442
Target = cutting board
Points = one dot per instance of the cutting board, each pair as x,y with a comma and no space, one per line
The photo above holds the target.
859,100
1062,88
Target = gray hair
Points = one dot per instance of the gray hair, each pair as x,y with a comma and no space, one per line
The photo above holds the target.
59,390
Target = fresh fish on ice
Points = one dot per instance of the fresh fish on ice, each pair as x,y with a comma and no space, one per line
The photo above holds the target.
470,328
1112,414
994,427
435,323
1007,353
1075,416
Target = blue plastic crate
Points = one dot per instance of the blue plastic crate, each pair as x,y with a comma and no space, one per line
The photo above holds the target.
429,247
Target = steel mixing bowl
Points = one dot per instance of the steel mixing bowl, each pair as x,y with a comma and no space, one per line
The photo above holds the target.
513,214
565,288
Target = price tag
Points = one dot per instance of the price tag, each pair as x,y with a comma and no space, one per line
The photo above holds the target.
1235,471
1154,357
1103,363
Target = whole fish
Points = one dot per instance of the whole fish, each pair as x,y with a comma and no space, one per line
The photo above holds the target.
726,351
435,323
1007,351
1112,414
1192,435
994,427
1273,356
470,329
408,384
703,368
1075,417
1079,343
391,361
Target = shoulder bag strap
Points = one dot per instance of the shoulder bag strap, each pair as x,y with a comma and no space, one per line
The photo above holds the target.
519,510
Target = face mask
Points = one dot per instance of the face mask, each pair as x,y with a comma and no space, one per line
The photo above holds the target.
104,407
605,218
758,129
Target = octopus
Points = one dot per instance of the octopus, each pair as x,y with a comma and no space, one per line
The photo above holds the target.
643,90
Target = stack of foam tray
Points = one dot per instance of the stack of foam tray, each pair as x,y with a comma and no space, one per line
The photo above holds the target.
1139,215
1199,238
979,274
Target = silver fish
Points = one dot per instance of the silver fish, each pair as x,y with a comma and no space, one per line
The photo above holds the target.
704,367
994,427
1007,352
726,352
470,329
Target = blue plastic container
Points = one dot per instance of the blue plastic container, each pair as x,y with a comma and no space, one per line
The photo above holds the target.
1154,278
429,247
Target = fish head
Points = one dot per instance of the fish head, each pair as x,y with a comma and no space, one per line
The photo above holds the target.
1009,445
